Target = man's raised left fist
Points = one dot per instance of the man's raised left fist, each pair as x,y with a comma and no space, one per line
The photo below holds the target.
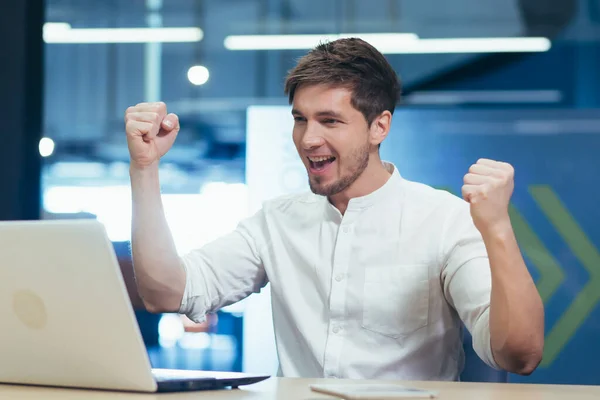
488,187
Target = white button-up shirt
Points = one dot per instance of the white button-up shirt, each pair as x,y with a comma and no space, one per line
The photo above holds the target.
379,292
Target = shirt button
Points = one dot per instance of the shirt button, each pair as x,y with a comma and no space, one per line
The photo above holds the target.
346,229
339,277
336,329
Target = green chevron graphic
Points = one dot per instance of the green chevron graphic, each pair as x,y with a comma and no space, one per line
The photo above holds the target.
586,253
551,275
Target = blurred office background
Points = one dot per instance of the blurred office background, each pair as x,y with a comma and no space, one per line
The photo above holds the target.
515,80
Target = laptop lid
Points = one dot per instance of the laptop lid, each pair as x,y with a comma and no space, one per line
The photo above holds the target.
64,310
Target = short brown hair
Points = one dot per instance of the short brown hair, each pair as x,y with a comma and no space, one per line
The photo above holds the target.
354,64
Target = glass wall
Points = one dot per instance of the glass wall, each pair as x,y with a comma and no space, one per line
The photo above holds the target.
515,80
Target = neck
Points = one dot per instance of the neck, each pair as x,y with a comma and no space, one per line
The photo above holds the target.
371,179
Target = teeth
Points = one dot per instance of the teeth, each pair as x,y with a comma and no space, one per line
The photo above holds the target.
318,159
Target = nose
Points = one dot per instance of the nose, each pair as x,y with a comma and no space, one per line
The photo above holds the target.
312,138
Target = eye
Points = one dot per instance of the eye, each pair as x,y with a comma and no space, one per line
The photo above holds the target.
330,121
299,119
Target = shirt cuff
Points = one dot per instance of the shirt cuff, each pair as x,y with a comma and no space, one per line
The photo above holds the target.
482,341
191,305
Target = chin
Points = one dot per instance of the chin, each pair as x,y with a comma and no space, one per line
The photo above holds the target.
319,191
325,188
317,188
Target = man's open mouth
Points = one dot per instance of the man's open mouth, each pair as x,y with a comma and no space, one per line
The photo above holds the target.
320,163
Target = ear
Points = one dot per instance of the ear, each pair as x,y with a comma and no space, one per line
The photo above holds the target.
380,128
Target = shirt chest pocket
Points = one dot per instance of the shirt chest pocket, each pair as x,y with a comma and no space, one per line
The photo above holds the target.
396,299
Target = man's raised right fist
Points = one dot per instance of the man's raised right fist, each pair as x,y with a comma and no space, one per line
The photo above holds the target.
150,133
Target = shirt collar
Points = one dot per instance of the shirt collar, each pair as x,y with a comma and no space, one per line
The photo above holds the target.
389,188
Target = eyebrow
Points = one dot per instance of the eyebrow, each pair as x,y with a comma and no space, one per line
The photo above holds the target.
324,113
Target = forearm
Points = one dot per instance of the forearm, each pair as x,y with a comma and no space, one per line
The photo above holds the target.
159,275
516,309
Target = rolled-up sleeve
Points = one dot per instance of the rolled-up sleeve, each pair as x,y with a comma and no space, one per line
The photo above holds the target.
224,271
467,280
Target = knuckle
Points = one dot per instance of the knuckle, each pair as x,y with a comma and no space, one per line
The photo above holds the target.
129,127
129,112
504,176
161,107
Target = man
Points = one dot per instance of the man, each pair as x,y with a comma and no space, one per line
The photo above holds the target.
371,274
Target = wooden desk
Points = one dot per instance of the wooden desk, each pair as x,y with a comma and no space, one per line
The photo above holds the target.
297,389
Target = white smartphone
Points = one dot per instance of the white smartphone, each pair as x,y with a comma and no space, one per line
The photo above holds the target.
371,391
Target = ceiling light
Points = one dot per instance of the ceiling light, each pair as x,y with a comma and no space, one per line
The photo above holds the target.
304,42
394,43
198,75
59,32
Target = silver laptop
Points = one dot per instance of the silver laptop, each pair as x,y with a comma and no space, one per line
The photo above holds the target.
66,319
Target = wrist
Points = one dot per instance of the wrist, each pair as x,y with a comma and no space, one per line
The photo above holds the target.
500,230
143,169
145,178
